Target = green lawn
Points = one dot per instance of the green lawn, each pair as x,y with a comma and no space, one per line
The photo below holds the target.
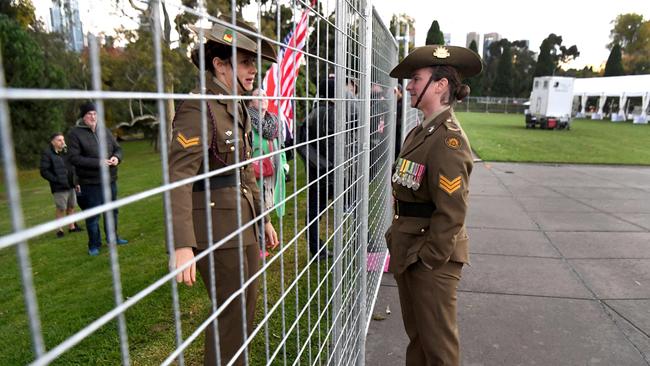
74,289
503,137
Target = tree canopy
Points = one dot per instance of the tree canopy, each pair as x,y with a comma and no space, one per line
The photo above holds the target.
26,66
435,36
632,33
614,65
552,54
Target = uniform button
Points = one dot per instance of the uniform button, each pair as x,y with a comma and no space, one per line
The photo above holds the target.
396,217
244,190
248,154
242,168
232,148
422,230
211,204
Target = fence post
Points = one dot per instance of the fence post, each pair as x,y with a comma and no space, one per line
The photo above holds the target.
404,99
339,142
366,58
18,222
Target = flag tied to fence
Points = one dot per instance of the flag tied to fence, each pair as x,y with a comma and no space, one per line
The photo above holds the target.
280,81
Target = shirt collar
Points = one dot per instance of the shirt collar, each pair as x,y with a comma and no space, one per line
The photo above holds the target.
429,121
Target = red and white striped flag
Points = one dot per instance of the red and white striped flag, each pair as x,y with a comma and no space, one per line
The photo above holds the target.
281,81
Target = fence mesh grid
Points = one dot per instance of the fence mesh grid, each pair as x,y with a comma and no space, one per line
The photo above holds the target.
312,308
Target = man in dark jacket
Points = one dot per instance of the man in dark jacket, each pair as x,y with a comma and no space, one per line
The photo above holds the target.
319,161
56,169
84,155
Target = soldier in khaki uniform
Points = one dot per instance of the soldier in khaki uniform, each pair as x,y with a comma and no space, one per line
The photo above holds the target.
229,133
427,239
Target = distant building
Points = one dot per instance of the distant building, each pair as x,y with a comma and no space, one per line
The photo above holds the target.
488,38
447,37
473,36
65,20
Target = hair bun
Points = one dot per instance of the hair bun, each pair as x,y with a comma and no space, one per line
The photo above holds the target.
462,91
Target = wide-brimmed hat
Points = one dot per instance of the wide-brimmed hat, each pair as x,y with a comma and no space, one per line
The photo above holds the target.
229,35
467,62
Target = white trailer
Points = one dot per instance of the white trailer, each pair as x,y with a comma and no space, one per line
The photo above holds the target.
551,102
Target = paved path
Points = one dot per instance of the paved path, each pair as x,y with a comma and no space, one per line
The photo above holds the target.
560,270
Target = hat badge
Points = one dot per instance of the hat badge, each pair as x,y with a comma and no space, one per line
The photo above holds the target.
227,35
441,52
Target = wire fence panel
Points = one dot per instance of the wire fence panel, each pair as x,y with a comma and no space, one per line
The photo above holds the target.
219,151
493,105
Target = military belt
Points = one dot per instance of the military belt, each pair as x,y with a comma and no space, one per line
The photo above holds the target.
414,209
216,182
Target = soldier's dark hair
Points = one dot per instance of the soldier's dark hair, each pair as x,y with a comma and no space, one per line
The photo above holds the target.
457,90
212,49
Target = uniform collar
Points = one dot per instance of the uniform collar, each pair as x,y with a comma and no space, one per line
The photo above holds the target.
430,121
233,106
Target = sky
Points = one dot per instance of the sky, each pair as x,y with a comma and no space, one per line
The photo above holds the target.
584,24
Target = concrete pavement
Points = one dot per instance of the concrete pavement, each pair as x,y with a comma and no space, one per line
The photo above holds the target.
560,270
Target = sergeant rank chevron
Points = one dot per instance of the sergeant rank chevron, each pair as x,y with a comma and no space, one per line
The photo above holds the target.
185,142
449,186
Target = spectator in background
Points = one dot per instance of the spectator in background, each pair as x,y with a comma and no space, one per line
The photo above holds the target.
57,170
398,119
319,161
270,171
84,155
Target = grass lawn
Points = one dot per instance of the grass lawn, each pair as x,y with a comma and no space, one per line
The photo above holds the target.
503,137
74,289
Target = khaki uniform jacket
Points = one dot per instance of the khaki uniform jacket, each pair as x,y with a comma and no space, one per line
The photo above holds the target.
186,160
441,146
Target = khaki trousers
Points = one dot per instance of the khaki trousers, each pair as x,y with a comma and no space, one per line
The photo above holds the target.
227,275
428,301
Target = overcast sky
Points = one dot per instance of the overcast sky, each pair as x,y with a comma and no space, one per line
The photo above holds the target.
585,24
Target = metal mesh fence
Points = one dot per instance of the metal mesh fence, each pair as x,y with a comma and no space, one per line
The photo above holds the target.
310,301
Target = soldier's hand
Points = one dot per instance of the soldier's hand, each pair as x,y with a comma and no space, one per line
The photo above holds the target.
184,255
271,236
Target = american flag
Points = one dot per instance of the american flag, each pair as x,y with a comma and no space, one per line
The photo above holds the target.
287,72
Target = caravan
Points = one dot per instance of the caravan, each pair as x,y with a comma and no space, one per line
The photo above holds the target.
551,102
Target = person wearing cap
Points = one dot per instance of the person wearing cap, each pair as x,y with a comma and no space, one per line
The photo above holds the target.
83,148
55,167
234,195
427,239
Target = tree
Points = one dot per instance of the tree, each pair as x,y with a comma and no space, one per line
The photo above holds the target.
22,11
474,83
523,65
398,27
434,35
552,54
545,65
614,65
632,33
27,67
626,32
502,86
